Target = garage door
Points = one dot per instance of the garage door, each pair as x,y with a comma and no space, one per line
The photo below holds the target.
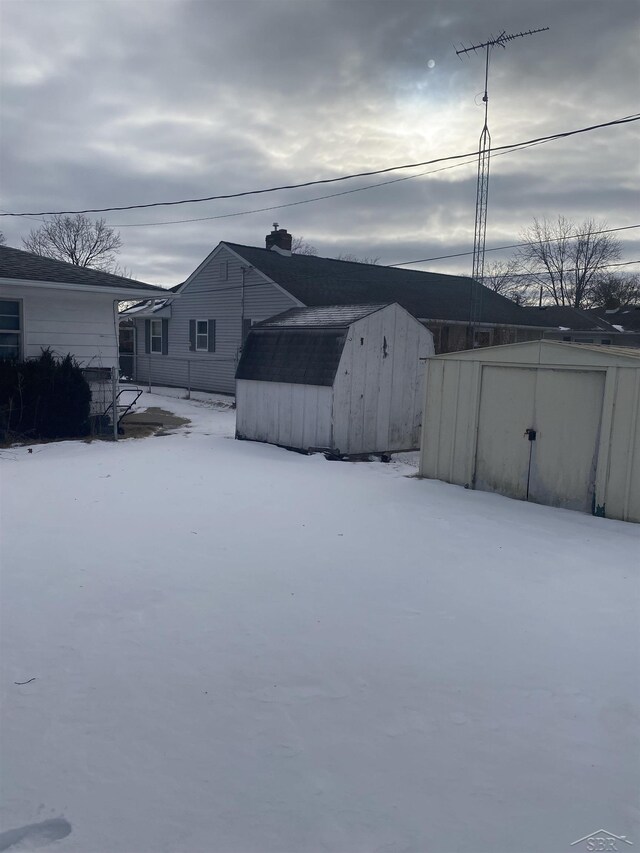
538,434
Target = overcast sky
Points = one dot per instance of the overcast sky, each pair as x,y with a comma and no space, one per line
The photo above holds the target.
116,103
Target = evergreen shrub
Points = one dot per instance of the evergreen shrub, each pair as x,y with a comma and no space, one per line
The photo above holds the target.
43,398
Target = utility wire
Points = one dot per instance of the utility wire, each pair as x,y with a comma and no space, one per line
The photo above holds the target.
238,287
296,203
516,245
472,161
540,139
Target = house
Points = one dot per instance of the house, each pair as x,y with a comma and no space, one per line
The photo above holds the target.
551,422
346,379
581,326
626,319
237,286
46,303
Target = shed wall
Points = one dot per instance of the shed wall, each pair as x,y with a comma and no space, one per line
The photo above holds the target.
379,385
290,415
455,403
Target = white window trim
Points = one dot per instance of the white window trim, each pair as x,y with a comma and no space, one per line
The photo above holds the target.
157,337
205,348
20,330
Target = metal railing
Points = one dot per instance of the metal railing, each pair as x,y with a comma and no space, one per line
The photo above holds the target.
183,371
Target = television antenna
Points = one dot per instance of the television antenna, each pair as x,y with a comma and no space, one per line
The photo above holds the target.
484,156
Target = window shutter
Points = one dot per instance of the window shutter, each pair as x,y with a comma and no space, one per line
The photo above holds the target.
165,337
192,335
212,335
147,335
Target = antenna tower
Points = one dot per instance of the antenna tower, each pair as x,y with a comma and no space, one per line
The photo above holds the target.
484,156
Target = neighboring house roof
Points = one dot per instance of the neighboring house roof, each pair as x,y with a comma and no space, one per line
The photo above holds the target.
627,317
566,317
19,266
325,316
428,296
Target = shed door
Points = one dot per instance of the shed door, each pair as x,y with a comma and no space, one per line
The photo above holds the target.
568,411
506,410
538,433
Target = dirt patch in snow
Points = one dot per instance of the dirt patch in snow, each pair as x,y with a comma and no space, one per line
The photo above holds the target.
151,421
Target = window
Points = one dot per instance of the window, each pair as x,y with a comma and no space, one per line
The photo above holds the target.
10,331
224,271
156,335
482,338
202,335
606,342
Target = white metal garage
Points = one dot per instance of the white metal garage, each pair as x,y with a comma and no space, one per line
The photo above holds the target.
549,422
347,379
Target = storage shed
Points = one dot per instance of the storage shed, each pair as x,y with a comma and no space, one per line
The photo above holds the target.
549,422
346,379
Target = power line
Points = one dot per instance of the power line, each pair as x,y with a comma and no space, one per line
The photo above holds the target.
521,147
238,287
540,139
515,245
538,273
295,203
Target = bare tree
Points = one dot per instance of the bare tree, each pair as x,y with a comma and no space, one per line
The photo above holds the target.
615,291
77,240
507,279
566,258
2,239
356,260
300,246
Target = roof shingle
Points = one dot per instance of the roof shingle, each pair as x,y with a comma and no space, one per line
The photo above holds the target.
25,266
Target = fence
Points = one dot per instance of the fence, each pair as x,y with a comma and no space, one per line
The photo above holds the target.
215,374
105,391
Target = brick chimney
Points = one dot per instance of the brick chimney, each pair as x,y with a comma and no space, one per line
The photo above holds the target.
279,240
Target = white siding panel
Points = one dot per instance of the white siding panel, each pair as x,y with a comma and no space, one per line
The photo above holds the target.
379,385
208,296
279,413
79,323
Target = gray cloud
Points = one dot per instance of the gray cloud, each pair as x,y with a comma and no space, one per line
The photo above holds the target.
108,103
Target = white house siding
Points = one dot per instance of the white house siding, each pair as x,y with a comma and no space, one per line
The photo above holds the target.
285,414
583,403
208,296
378,397
83,324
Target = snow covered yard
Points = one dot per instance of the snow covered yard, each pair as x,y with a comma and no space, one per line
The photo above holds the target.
237,649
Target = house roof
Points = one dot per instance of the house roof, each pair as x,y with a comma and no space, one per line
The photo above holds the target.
566,317
324,316
627,317
298,356
25,266
430,296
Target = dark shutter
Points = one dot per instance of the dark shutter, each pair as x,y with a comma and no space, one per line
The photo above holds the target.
165,337
192,335
147,335
212,335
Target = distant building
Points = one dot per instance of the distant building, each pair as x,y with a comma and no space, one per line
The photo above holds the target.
200,336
